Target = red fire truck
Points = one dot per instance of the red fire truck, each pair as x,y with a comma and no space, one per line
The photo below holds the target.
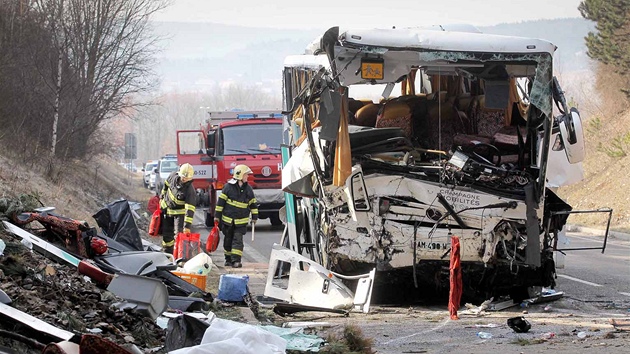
232,138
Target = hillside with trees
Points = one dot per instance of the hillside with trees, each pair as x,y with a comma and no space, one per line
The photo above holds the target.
66,68
607,122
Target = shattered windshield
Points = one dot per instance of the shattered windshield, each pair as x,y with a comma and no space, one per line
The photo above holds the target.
541,89
252,139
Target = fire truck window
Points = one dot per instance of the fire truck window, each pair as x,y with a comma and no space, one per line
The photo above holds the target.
191,143
252,139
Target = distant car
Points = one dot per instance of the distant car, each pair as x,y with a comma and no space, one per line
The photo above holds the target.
147,170
129,166
164,168
152,179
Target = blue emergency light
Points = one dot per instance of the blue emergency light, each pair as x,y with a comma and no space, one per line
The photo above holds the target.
255,115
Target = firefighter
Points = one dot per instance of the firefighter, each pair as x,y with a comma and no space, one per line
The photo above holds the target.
178,198
234,205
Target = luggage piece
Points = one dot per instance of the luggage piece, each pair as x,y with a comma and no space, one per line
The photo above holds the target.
232,287
187,246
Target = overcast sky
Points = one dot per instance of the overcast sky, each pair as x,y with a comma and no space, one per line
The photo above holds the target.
319,14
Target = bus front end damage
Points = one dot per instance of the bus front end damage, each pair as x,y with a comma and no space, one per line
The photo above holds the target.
466,149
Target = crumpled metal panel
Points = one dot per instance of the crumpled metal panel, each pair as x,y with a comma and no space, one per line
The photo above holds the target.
388,239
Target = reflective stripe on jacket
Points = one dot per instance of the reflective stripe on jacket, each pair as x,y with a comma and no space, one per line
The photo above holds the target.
236,203
180,199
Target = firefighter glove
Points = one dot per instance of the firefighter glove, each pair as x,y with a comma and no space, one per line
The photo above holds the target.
186,230
163,205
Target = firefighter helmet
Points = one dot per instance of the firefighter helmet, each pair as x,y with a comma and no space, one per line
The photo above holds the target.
186,171
240,170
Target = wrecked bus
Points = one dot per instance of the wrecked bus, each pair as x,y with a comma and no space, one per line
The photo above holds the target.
458,143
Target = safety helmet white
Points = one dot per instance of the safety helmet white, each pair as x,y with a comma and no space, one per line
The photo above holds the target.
186,171
240,170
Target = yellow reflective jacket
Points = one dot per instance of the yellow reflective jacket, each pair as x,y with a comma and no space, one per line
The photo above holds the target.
179,198
235,204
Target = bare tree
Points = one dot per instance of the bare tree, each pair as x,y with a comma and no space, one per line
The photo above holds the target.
109,53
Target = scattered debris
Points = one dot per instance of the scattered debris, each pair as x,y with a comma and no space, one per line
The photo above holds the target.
284,309
501,305
526,341
224,336
476,310
484,335
489,325
65,301
519,324
304,324
296,339
622,325
548,335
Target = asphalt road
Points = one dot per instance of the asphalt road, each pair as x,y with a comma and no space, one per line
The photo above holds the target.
591,276
596,287
257,251
588,276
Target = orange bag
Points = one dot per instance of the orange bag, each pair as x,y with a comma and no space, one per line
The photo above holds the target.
187,246
213,238
156,220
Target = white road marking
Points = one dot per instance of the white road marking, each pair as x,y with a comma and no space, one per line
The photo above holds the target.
627,294
444,323
578,280
613,242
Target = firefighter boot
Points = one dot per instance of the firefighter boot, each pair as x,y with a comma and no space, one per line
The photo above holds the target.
168,249
228,261
236,262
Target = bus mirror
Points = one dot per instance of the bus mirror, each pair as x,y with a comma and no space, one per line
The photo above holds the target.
210,143
572,135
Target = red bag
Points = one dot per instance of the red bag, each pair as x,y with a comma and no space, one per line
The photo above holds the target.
213,238
154,203
156,220
187,245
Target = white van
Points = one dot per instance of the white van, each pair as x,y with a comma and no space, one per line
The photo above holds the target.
147,171
164,168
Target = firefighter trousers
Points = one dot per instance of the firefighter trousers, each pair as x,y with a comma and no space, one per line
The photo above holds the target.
233,243
173,225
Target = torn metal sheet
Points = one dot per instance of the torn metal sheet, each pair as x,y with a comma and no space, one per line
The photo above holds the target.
43,247
138,262
4,298
556,295
501,305
34,323
148,296
363,292
284,309
310,284
188,304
